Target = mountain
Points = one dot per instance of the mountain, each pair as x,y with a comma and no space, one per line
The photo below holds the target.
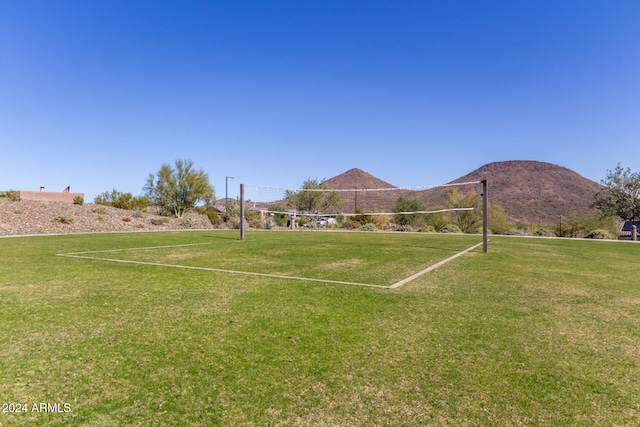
356,178
536,192
528,191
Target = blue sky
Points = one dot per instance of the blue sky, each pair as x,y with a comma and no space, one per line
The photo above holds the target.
98,94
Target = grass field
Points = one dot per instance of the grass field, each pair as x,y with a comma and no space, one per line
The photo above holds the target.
535,332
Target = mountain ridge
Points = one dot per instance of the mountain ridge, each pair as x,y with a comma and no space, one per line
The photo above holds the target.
529,191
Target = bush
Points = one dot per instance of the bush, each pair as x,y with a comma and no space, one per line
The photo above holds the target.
13,195
600,234
543,232
368,227
101,210
269,224
63,219
195,222
518,232
157,221
404,204
253,218
279,218
78,200
127,219
450,228
122,200
427,229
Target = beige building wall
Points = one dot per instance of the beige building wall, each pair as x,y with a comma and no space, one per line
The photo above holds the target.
50,196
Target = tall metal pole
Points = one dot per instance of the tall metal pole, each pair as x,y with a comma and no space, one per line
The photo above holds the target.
485,215
241,211
226,187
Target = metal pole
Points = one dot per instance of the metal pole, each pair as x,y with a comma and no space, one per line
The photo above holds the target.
485,215
241,211
634,232
226,187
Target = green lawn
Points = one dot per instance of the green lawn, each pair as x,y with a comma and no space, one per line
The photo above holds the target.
535,332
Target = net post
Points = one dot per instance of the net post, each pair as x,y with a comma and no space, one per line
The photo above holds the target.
241,211
485,215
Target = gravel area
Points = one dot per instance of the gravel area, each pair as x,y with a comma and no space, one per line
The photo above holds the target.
27,217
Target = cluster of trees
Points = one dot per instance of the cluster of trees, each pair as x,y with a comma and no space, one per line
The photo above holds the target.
183,188
316,197
175,190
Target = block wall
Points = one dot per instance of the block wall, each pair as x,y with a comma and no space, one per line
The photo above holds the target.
49,196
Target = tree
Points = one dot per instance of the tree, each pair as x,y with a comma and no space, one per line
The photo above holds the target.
314,201
404,204
620,195
469,220
179,190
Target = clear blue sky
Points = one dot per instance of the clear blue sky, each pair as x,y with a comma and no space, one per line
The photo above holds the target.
98,94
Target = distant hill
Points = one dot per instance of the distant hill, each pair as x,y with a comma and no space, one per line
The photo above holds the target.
536,192
356,178
528,191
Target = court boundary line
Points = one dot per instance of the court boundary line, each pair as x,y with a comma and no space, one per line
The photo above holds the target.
83,255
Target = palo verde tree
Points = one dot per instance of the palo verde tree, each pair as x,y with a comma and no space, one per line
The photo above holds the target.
620,195
404,204
314,197
180,189
467,220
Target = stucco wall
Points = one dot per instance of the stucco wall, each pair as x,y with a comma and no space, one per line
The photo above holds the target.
49,196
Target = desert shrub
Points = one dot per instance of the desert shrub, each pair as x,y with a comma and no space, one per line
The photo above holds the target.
427,229
380,221
13,195
279,218
518,232
368,227
138,214
351,224
195,222
231,212
100,219
63,219
600,234
233,223
157,221
580,226
476,230
497,221
269,224
101,210
253,218
122,200
214,218
404,204
304,221
126,219
450,228
543,232
140,203
78,200
213,215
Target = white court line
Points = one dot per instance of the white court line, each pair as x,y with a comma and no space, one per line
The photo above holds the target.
250,273
433,267
219,270
141,248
